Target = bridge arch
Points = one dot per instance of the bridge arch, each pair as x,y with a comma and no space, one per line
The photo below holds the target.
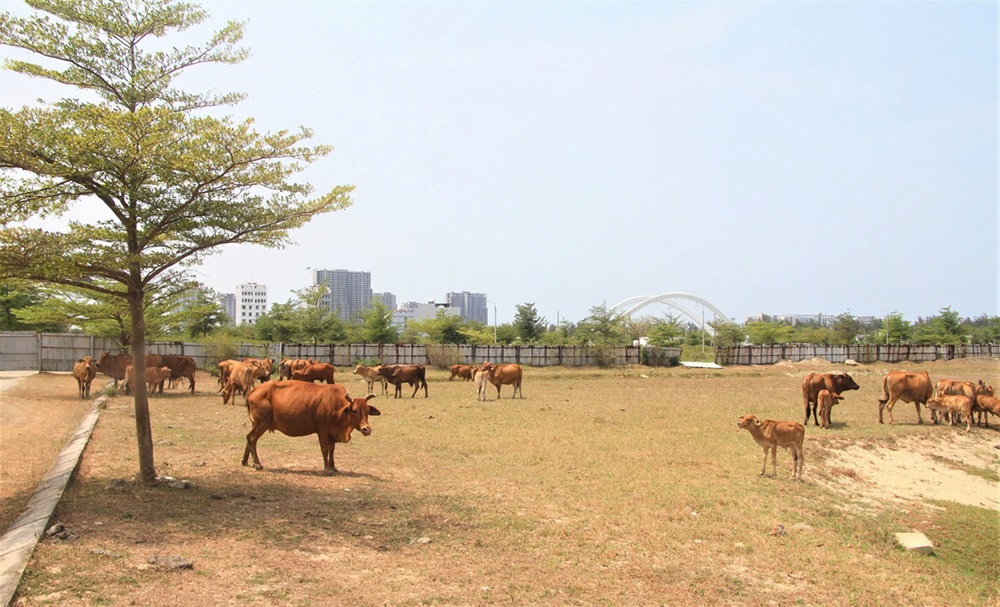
627,307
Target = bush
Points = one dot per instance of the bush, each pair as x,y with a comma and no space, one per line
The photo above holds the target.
219,348
442,356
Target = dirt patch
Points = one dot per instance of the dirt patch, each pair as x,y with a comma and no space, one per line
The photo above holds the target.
959,468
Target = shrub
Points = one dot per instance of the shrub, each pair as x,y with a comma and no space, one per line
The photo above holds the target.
442,356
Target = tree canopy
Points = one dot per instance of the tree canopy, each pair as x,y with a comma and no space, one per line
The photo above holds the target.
168,178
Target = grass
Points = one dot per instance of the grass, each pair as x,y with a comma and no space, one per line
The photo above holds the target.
600,487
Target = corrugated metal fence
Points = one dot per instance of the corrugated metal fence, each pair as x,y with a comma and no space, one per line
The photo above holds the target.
864,353
28,351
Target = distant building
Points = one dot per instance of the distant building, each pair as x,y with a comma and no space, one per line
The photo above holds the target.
813,320
413,310
228,303
472,306
348,293
387,299
251,303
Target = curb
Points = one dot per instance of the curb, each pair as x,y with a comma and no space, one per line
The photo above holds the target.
20,539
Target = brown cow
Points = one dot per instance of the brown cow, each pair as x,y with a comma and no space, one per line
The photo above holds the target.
463,372
770,435
155,378
266,364
288,365
180,367
322,372
825,401
114,365
953,404
908,387
371,375
944,387
986,404
240,378
84,370
835,383
397,375
297,408
501,375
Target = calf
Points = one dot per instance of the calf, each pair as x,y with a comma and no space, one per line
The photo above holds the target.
481,383
825,401
463,372
770,435
986,403
155,378
84,370
371,375
835,383
953,404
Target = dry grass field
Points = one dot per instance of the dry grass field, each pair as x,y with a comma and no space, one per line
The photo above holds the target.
601,487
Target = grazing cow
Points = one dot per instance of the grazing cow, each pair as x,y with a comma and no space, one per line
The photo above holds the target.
397,375
84,370
371,375
825,401
501,375
944,387
180,367
953,404
322,372
297,408
463,372
986,404
770,435
240,378
906,386
481,383
835,383
114,365
265,364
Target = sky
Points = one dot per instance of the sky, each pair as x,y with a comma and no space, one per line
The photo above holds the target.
768,157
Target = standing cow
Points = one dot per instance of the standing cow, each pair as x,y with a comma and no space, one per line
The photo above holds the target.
502,375
906,386
835,383
297,408
397,375
84,370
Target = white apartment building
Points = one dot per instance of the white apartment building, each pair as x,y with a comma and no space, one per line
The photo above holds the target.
251,302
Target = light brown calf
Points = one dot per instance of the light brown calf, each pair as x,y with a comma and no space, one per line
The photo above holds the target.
953,404
371,375
481,382
825,400
84,370
770,435
986,404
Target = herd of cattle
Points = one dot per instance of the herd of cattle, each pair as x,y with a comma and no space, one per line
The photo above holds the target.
954,399
298,406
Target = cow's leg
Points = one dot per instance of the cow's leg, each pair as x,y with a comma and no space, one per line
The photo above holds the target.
424,382
808,412
774,460
326,446
763,468
251,449
416,386
916,405
517,388
191,379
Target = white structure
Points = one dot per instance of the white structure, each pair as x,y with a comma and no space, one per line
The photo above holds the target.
633,304
251,302
412,310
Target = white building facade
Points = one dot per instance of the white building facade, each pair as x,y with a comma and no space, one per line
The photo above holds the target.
251,302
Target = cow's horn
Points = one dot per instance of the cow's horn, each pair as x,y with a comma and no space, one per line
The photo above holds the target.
370,396
350,400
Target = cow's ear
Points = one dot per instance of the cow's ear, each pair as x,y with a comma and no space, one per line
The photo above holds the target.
373,410
756,421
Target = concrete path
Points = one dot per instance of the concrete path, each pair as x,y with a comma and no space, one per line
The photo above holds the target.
18,542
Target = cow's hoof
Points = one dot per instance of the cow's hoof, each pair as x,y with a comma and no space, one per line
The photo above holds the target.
258,467
329,472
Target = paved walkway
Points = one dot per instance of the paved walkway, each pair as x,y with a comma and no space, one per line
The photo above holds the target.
18,542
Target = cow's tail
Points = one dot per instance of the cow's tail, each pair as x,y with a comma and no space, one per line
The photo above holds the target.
885,391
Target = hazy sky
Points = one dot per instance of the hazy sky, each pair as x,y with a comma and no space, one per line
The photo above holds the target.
776,157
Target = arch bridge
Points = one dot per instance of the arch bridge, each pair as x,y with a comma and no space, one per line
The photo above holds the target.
627,307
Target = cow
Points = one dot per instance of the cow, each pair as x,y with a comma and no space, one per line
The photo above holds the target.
953,404
397,375
266,364
84,370
835,383
501,375
240,378
288,365
155,378
906,386
297,408
944,387
371,375
322,372
770,435
986,404
114,365
180,367
825,401
481,383
463,372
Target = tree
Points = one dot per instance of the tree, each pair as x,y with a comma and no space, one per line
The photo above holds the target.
945,328
314,321
202,313
530,326
666,332
768,333
376,325
16,302
173,180
897,330
846,329
728,334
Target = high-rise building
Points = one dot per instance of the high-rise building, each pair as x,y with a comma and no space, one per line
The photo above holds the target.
347,293
251,302
414,310
387,299
228,303
472,306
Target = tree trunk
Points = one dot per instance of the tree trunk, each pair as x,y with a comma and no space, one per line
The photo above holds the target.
143,431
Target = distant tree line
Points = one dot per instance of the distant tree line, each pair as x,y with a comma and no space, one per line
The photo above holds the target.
198,315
